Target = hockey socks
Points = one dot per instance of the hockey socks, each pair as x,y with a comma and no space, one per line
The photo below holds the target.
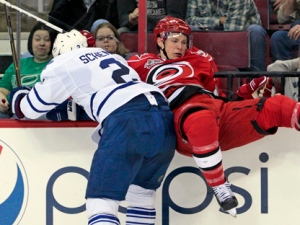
211,166
140,206
136,216
103,219
202,131
102,211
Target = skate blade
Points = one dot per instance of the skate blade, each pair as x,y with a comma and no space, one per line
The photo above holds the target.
232,212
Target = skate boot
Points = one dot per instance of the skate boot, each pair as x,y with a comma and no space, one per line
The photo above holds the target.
226,198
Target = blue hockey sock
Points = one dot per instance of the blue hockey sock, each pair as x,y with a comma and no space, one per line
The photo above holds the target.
103,219
139,215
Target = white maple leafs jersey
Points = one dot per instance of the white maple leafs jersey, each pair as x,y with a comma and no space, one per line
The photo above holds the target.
98,81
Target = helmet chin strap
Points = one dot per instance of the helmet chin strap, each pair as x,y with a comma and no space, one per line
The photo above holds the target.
164,51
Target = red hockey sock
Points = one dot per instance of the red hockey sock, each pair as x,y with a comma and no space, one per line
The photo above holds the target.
202,132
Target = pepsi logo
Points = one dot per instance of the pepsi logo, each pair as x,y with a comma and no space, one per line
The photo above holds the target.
13,185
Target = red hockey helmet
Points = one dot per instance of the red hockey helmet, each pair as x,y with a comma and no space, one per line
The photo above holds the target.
172,24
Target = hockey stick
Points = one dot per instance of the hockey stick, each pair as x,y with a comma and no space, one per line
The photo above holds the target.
33,16
12,46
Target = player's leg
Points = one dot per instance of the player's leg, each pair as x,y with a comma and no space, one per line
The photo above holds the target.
102,211
158,143
110,174
279,111
140,205
247,121
114,165
202,132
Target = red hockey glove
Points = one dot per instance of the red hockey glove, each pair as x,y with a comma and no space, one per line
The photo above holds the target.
16,96
89,37
255,88
269,88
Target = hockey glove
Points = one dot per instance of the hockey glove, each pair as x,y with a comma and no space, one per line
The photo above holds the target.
89,37
59,113
64,111
269,90
16,96
256,88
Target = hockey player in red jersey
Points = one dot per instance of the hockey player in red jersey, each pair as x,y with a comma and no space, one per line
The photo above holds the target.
205,124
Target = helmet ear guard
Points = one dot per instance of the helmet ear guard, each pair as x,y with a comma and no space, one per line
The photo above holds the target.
68,41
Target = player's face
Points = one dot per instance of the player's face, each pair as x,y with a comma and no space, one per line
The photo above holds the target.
41,44
175,45
105,38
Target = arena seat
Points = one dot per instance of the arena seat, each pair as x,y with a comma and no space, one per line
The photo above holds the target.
263,9
230,49
269,19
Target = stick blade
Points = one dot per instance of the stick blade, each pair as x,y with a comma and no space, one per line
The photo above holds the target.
232,212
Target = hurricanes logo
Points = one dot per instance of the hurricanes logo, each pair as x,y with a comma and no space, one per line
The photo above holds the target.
162,75
13,186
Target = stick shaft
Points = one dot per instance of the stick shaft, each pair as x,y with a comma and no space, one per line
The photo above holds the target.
12,46
33,16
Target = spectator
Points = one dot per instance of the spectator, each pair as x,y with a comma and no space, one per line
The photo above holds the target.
129,13
275,4
205,123
231,15
99,9
97,23
291,83
39,45
80,14
65,13
284,43
135,135
107,37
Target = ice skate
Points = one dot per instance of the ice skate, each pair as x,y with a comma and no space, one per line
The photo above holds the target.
226,198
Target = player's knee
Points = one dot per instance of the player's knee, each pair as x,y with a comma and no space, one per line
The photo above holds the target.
140,197
101,206
203,121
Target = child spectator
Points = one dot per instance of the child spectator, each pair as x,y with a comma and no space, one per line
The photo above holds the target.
107,37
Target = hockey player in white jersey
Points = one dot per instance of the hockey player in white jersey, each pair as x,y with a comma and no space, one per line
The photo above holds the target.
135,133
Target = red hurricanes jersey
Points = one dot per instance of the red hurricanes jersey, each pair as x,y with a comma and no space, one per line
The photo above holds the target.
195,69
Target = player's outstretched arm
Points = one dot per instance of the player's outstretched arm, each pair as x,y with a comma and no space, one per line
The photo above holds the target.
256,88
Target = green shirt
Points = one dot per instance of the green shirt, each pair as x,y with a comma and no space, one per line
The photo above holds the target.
30,73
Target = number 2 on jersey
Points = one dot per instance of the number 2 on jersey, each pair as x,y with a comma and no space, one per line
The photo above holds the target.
118,73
